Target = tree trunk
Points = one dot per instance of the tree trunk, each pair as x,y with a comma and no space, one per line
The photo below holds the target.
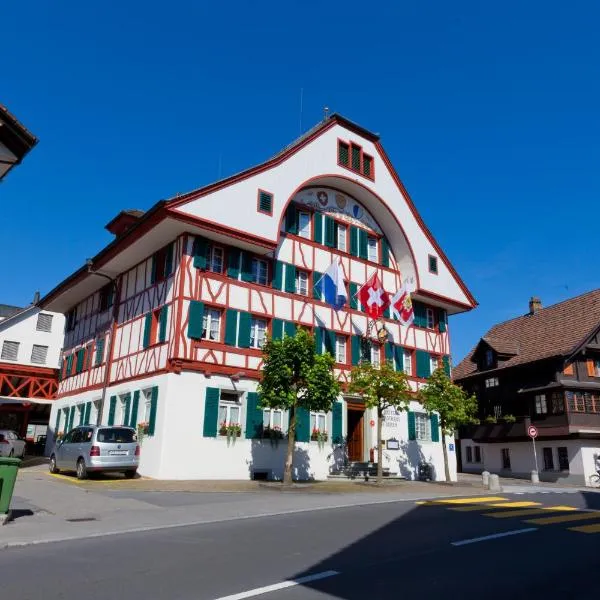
289,458
445,451
379,447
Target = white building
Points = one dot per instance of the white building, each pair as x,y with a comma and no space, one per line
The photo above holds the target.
199,280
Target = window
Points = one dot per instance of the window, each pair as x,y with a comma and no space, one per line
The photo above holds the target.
563,458
214,259
96,415
229,410
302,283
477,454
558,402
70,319
106,297
589,402
372,249
548,459
211,325
147,394
489,357
375,355
341,237
318,423
433,264
352,157
259,271
469,454
434,363
122,411
407,362
265,202
10,350
430,318
355,157
575,401
340,349
423,427
491,382
304,224
505,458
343,154
541,408
273,420
258,329
39,354
569,370
99,351
597,368
158,264
151,328
367,165
44,322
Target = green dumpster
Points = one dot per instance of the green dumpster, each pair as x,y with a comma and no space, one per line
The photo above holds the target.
8,476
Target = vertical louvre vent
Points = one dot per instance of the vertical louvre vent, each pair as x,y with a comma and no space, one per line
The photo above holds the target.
356,158
39,354
367,165
44,322
10,350
343,154
265,202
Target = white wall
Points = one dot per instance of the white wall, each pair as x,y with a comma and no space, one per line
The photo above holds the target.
22,328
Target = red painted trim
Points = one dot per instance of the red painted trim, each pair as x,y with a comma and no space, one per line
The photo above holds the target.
20,369
258,209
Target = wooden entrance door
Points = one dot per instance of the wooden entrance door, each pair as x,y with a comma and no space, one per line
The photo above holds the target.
355,433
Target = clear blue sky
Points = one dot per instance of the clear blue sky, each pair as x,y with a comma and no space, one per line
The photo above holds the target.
489,111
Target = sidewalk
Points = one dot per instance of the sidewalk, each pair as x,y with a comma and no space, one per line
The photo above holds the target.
47,508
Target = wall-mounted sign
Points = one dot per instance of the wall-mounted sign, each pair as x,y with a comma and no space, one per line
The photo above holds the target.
393,445
451,447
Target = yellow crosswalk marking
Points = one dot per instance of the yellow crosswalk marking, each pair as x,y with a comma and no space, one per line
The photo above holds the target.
565,518
587,528
469,500
515,504
506,514
477,507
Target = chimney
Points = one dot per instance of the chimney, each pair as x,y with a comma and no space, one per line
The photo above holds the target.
36,298
535,305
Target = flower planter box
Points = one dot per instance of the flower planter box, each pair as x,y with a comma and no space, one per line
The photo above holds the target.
319,437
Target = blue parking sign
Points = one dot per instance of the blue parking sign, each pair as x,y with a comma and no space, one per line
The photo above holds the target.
451,447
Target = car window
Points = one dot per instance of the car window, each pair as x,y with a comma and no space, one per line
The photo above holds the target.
76,439
86,435
116,435
68,438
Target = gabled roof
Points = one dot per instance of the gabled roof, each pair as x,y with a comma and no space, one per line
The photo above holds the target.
557,330
16,138
6,310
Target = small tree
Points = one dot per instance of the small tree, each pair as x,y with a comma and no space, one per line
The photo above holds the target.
381,387
294,376
451,402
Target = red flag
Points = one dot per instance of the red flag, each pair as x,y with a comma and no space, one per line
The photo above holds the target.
373,297
402,307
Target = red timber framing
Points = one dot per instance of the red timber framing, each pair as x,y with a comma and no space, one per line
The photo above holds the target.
22,382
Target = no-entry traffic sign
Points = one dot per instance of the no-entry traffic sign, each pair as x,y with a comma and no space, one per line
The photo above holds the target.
532,431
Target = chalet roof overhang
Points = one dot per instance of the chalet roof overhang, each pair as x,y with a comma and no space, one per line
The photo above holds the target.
15,141
502,370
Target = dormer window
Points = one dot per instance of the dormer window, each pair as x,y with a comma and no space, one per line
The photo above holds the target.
489,358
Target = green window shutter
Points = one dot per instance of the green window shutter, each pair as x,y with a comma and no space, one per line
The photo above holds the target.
127,409
363,251
412,426
317,285
330,232
111,410
278,275
420,312
355,158
147,329
356,349
336,424
196,317
353,240
329,339
233,262
57,423
211,411
200,252
162,323
435,428
276,329
442,320
99,351
169,260
66,420
231,322
343,154
71,417
153,407
389,351
290,329
367,166
245,326
290,279
134,409
153,269
385,252
291,219
254,416
318,228
81,415
80,355
302,425
423,364
69,365
447,369
88,411
386,313
247,275
353,298
319,340
398,358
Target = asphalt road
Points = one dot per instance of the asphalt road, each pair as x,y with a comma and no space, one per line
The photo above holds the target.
400,550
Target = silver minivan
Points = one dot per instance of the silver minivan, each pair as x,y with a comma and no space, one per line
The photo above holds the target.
97,448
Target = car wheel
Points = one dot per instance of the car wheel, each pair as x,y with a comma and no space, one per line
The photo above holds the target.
130,474
81,469
53,468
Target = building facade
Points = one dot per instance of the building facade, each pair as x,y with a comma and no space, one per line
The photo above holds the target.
164,327
540,369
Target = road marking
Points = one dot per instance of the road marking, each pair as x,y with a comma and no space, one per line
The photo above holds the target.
587,528
481,500
65,478
528,512
515,504
279,586
477,507
493,536
565,518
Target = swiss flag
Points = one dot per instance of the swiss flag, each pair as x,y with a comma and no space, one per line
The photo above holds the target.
373,297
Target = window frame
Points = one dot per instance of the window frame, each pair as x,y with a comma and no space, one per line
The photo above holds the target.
339,338
540,404
256,271
342,227
372,246
561,456
407,353
271,412
228,404
423,431
505,457
477,455
308,229
430,318
254,340
375,356
301,274
469,454
210,258
491,382
207,321
547,453
318,417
